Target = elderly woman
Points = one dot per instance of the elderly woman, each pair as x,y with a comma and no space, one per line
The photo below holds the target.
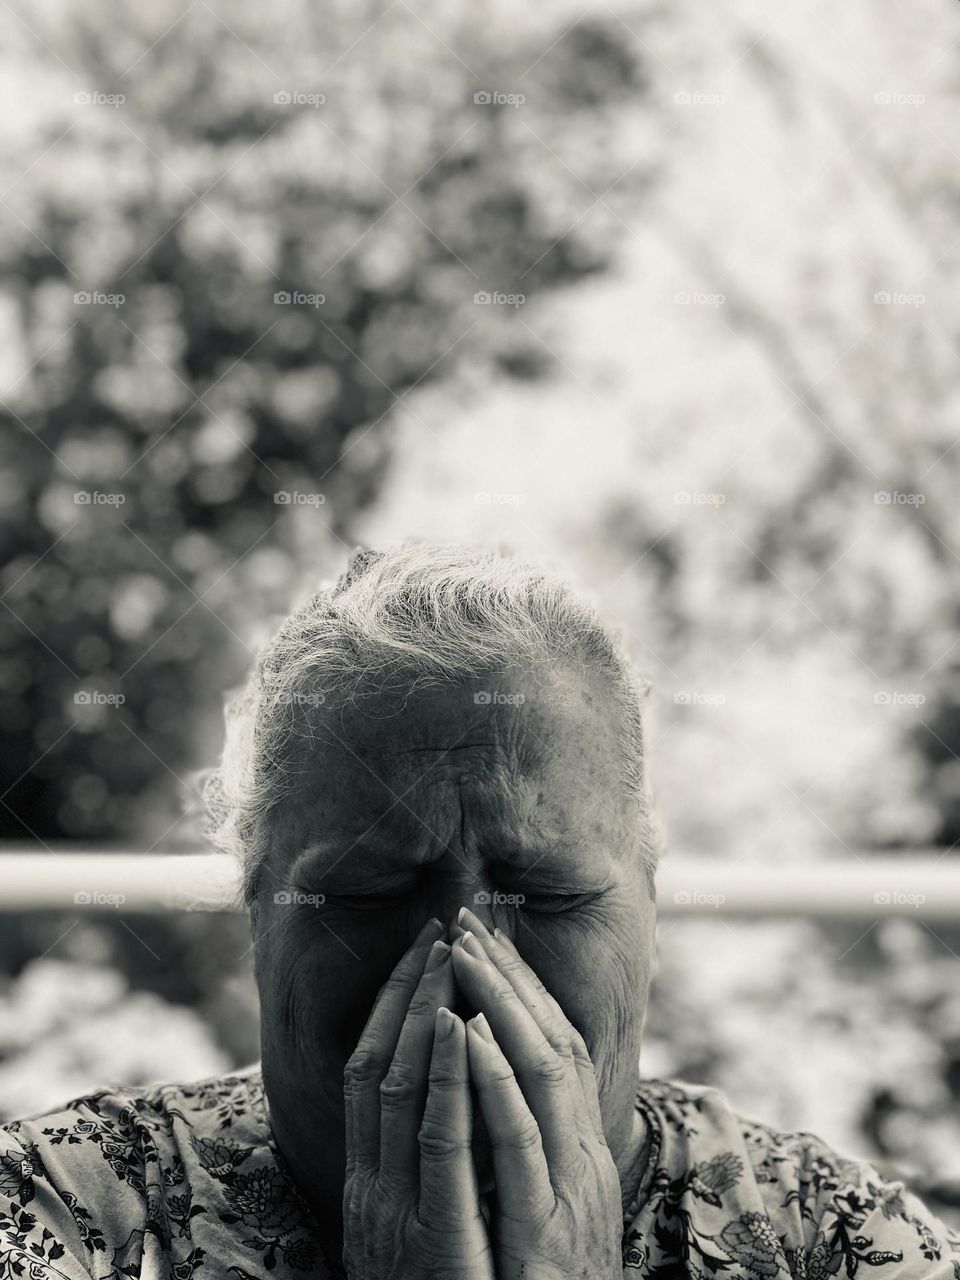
435,780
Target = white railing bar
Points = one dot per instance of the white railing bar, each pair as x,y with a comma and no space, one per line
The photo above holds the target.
122,880
923,885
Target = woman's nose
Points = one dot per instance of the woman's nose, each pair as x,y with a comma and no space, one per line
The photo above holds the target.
490,915
482,910
479,903
466,887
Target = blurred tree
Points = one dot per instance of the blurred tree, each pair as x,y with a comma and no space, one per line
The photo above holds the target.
938,738
236,240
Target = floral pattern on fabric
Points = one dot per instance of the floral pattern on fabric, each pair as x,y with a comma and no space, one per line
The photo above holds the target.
182,1182
726,1196
175,1181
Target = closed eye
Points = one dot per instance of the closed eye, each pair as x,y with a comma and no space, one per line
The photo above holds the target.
553,903
371,901
540,902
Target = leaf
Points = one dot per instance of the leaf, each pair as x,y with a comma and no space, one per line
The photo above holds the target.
669,1241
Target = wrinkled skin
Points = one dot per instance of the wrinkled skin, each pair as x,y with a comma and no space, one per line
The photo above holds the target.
408,810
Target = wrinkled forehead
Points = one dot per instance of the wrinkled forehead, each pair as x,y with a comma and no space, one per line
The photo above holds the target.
534,753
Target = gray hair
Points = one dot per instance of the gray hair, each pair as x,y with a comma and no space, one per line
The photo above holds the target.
415,615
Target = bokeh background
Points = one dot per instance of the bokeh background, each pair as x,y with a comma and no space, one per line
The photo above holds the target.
665,296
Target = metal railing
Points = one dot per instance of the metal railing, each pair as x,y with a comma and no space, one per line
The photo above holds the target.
923,884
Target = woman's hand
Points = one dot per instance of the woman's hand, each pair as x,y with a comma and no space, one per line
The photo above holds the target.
558,1203
411,1208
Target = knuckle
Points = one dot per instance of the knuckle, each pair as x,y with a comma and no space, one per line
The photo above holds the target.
398,1088
551,1070
526,1138
513,966
436,1141
362,1067
560,1044
421,1004
500,1078
445,1078
400,981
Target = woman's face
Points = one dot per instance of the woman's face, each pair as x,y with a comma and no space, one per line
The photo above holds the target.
500,794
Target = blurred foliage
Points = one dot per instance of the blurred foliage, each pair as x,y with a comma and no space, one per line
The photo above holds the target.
65,1025
219,181
815,1028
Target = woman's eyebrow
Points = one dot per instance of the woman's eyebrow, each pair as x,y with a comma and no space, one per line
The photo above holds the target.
370,852
526,852
336,850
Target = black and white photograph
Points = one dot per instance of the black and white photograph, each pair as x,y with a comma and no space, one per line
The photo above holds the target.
479,640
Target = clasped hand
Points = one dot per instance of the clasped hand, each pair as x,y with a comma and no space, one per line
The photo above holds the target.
411,1204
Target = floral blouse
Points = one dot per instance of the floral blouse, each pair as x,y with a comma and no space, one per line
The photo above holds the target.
182,1180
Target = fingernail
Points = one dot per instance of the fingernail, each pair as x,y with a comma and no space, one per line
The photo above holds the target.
438,953
433,926
446,1021
482,1027
462,919
471,944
